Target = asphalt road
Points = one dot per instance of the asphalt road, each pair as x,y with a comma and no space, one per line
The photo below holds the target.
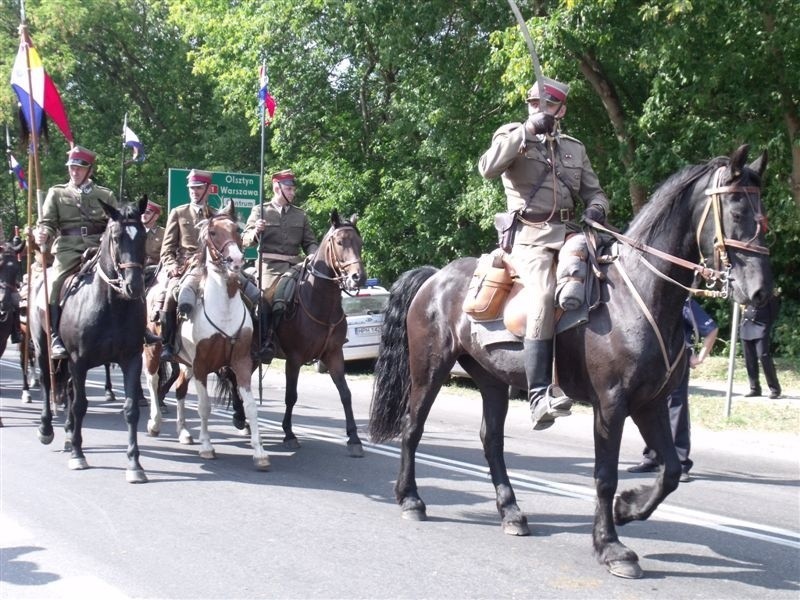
321,524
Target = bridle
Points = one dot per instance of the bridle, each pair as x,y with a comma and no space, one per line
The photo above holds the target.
117,283
330,258
719,274
217,255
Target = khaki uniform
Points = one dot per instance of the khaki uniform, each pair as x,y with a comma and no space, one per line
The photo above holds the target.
152,246
181,240
76,220
287,232
525,168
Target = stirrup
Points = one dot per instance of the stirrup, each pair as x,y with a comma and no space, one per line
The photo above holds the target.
551,405
57,350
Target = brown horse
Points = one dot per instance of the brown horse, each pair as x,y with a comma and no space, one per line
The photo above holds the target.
216,338
314,326
707,220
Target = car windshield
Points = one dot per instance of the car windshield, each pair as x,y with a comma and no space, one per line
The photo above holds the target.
355,306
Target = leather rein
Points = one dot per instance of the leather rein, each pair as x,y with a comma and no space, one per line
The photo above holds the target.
116,283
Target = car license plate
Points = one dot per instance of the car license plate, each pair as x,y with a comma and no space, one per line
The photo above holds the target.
368,330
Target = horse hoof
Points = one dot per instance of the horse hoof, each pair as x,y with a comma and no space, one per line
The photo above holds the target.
208,454
110,397
77,464
26,397
153,432
164,411
46,439
291,444
415,515
355,450
626,569
262,464
135,476
519,528
185,439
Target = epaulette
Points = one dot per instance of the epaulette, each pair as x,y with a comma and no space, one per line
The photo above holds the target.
571,139
506,129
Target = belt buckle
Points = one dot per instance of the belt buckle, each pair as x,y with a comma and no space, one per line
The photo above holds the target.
84,231
564,214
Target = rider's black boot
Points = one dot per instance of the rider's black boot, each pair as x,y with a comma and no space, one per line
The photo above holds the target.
57,349
168,328
546,402
266,350
150,338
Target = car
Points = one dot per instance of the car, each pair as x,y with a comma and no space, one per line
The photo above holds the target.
364,312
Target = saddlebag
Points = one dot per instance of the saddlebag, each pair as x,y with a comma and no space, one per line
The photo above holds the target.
488,289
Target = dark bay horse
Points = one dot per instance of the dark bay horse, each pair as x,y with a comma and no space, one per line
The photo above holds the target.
102,321
314,327
624,361
9,271
215,339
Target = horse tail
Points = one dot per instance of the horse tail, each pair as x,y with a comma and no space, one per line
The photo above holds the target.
226,391
392,372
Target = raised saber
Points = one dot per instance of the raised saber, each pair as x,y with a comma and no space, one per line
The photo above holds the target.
537,69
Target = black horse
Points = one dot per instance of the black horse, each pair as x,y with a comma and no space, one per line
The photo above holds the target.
102,321
623,361
9,271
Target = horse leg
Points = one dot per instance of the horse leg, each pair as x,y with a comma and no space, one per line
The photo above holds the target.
495,410
110,396
132,378
204,410
260,456
290,441
618,558
152,369
184,436
45,430
639,503
354,447
24,355
77,412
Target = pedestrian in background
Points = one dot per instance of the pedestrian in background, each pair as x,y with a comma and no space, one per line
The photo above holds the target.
754,332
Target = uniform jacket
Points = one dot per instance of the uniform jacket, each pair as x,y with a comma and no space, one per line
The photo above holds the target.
286,232
152,247
524,166
756,322
68,208
181,235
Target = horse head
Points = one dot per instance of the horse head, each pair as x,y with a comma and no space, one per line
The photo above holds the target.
221,241
122,249
340,252
9,269
732,226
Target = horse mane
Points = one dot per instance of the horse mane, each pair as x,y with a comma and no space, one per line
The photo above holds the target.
668,202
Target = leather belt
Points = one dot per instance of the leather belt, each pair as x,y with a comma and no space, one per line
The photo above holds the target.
83,231
290,258
560,216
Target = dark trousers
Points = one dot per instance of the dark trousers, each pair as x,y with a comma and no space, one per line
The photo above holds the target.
753,351
678,402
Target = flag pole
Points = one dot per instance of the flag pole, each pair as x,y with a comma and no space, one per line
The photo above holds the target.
12,177
35,173
122,158
262,117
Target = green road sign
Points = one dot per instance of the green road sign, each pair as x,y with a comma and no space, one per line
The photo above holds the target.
241,188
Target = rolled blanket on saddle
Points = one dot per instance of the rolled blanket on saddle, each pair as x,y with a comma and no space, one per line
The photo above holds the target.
571,273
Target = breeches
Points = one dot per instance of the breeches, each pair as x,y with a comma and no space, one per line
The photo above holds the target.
65,262
536,266
271,271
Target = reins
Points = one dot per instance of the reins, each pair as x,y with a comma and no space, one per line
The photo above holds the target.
116,283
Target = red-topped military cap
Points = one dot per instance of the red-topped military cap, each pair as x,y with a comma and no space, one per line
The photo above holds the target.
80,156
554,91
153,207
285,177
198,178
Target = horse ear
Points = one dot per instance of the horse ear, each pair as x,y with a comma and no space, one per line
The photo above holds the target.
335,218
354,219
230,210
738,160
143,204
759,165
111,212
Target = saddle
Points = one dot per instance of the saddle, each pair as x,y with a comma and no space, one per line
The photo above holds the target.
497,300
284,297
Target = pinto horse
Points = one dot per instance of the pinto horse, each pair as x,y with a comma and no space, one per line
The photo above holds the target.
102,321
215,339
705,219
314,326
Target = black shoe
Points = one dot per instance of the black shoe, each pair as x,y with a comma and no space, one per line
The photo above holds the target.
184,310
16,337
266,353
167,353
775,395
685,477
753,394
150,338
57,350
646,466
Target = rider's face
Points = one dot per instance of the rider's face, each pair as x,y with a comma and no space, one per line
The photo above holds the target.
78,174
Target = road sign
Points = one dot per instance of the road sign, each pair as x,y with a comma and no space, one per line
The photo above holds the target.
240,188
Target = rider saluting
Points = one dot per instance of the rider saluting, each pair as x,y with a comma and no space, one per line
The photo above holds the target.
542,171
73,218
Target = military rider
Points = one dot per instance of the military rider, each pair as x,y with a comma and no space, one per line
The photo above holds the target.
73,219
281,231
179,248
542,171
